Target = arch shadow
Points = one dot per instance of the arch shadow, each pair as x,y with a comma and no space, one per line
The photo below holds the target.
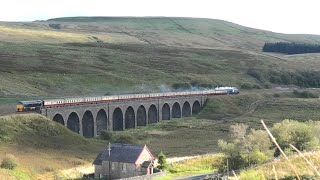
102,121
165,112
117,120
129,118
152,114
73,122
141,116
88,124
176,110
58,118
196,107
186,109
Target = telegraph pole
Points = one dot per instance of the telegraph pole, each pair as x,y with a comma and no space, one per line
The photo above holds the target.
109,149
227,169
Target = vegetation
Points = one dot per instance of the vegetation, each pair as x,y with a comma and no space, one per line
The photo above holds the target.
48,148
196,165
9,162
215,53
304,78
162,161
291,48
283,169
305,94
252,148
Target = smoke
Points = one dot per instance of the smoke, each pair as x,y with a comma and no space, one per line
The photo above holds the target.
165,88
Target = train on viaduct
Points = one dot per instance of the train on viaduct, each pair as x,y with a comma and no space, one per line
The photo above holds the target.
90,116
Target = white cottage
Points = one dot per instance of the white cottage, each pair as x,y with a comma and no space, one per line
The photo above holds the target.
123,160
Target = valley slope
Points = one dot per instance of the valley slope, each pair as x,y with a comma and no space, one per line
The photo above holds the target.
84,56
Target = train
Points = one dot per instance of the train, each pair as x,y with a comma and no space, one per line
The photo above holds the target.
36,105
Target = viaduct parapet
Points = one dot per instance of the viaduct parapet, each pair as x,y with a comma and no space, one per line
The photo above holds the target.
90,120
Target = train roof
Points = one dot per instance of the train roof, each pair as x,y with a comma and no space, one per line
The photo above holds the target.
224,88
31,102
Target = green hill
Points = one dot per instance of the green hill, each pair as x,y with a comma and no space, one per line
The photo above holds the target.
102,55
43,148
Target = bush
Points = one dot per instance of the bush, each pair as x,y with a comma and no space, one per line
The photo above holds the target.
305,94
9,162
299,134
127,139
257,74
246,86
276,95
105,135
162,161
181,86
267,85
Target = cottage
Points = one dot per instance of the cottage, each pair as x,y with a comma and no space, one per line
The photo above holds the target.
123,160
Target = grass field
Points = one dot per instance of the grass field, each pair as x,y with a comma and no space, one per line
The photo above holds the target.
97,56
46,149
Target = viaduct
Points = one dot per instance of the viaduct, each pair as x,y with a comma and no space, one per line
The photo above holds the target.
90,120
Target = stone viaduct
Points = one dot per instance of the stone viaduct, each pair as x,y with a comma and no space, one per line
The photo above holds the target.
90,120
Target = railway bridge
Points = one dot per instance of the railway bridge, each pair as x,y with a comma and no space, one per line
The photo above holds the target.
90,120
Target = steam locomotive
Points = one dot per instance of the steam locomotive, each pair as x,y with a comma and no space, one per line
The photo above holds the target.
38,104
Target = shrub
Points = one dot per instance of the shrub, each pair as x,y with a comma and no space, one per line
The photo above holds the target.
296,133
257,74
125,139
105,135
276,95
181,86
162,161
9,162
305,94
246,86
267,85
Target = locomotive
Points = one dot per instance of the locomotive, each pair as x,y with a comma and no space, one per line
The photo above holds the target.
35,105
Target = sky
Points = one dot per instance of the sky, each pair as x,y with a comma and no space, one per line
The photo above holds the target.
284,16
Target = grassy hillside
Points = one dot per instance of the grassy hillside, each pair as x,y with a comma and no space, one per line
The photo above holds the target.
96,56
43,148
46,149
283,169
181,137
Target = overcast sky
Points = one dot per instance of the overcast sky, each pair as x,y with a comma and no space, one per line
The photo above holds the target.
285,16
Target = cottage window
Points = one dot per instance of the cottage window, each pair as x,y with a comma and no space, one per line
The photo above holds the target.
124,168
113,166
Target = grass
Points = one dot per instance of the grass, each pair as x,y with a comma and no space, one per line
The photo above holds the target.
177,137
95,56
283,169
194,166
43,147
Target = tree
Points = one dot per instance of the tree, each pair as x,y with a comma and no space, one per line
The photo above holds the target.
9,162
162,161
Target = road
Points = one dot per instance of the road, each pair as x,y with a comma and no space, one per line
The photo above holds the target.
197,177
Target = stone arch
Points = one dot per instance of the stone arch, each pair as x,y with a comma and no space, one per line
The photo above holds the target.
196,107
117,120
165,112
141,116
129,118
58,118
102,121
152,114
73,122
186,109
176,110
88,124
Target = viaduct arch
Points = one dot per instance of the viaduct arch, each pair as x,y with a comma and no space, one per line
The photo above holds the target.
92,119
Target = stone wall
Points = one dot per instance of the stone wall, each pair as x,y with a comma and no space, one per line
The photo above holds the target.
147,177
